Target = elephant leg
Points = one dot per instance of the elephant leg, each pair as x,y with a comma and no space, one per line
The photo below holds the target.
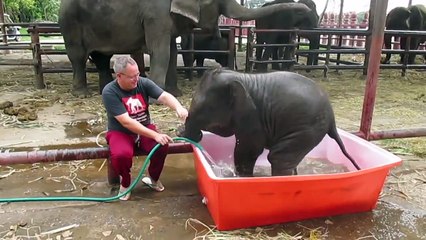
78,57
414,44
259,51
275,56
387,42
286,155
263,67
158,44
287,56
139,58
200,63
403,45
171,77
245,155
314,43
188,61
102,63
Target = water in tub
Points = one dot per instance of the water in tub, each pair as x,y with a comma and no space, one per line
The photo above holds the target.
308,166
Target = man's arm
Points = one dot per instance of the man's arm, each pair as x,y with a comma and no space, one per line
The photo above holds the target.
138,128
170,101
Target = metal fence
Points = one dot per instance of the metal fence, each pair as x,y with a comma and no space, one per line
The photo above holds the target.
333,49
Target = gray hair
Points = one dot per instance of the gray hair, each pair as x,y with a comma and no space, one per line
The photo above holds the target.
121,62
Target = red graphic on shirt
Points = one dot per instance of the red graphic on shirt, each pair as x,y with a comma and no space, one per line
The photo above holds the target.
136,107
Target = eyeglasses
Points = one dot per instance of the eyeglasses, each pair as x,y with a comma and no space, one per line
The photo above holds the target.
130,77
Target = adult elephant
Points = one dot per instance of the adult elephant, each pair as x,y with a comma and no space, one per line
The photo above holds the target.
401,18
204,42
284,112
286,20
104,27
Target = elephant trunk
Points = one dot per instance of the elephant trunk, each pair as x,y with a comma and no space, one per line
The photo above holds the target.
234,10
189,131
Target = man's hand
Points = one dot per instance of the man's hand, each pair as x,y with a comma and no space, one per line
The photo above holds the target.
163,139
181,112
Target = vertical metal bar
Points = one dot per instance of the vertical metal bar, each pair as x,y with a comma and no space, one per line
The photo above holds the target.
231,47
38,67
373,66
327,55
191,55
368,37
240,36
249,49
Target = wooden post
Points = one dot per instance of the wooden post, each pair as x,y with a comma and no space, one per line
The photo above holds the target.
38,67
3,28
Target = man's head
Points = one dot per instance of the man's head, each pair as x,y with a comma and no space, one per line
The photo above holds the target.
127,72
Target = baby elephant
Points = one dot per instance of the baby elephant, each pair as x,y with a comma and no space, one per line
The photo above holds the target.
284,112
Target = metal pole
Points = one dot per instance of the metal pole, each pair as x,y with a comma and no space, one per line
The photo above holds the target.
410,2
9,158
232,64
240,29
377,32
368,37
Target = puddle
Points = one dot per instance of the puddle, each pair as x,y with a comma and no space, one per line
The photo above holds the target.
83,128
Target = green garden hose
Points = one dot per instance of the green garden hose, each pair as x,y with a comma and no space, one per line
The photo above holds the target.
99,199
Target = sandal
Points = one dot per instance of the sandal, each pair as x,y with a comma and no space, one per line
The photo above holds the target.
123,190
155,185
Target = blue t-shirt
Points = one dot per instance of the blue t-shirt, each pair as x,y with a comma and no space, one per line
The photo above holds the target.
135,102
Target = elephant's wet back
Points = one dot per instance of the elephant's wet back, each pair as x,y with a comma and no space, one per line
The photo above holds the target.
308,166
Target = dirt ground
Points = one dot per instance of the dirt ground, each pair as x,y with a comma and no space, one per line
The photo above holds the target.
52,118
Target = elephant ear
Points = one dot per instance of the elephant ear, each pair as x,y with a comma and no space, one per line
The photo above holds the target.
187,8
244,109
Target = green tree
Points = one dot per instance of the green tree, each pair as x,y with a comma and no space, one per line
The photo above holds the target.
32,10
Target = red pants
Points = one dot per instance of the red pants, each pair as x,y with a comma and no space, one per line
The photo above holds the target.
121,147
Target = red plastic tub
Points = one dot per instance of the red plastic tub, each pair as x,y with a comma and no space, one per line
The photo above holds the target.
247,202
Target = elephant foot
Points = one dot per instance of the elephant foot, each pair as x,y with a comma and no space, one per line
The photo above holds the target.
81,93
174,91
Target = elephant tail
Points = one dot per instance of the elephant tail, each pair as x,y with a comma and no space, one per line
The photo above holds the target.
335,135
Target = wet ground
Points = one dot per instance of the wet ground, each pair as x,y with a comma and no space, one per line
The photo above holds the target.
67,122
153,215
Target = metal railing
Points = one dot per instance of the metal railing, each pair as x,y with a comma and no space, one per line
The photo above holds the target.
329,49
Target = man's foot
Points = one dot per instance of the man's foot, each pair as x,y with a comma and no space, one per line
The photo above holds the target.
155,185
126,196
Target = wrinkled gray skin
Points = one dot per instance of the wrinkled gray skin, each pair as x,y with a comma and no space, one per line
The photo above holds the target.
104,27
286,20
204,42
401,18
284,112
